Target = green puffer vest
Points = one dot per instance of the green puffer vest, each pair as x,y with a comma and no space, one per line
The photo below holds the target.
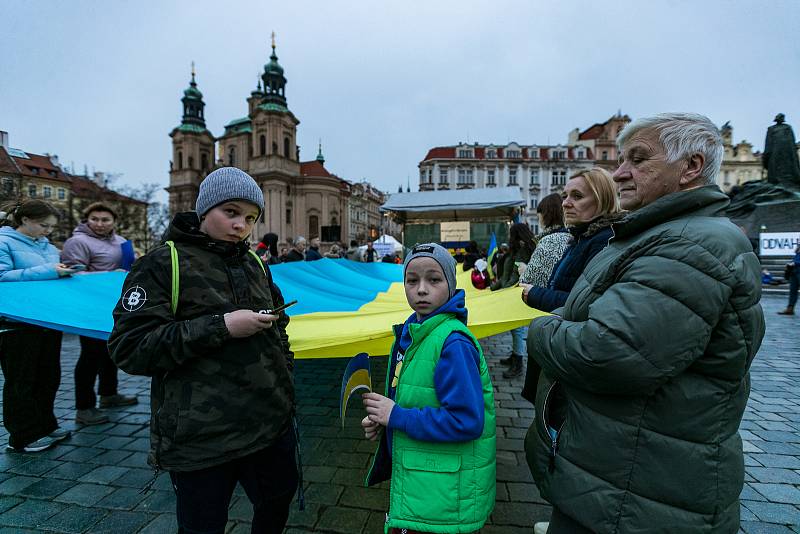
440,487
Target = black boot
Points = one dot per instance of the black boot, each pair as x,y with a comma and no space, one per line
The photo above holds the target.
509,360
516,368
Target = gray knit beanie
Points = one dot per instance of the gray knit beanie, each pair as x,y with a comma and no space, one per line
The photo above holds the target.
228,183
442,257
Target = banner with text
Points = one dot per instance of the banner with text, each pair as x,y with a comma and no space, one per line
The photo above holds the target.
778,244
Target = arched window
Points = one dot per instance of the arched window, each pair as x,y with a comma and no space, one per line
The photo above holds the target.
180,160
191,162
232,156
313,226
286,152
204,161
262,145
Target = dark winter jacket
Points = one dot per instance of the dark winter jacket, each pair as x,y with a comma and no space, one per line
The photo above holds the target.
293,255
312,254
587,240
214,398
508,276
650,360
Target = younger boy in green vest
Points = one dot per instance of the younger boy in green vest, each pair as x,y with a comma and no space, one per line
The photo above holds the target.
438,446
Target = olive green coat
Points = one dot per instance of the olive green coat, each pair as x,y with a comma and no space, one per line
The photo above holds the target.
651,352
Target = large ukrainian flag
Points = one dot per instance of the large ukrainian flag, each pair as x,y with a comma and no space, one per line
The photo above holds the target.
343,308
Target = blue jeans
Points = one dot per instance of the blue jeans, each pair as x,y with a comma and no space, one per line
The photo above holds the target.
794,284
518,341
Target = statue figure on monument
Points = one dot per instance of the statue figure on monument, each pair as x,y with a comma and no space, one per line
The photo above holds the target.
783,173
780,154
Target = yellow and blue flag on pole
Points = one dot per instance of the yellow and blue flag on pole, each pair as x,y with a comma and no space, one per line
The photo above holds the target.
491,254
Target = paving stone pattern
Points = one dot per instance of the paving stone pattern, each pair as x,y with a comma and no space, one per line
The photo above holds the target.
92,482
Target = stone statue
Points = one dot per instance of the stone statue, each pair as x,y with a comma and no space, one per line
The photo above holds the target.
780,155
783,173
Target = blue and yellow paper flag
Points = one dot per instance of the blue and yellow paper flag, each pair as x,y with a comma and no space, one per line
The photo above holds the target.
356,377
491,254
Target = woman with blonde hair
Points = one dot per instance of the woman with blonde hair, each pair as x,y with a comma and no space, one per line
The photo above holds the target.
591,206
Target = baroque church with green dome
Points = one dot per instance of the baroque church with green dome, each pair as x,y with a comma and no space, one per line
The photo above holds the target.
301,198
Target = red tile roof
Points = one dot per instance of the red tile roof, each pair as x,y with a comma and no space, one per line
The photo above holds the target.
314,168
83,186
441,152
39,166
592,132
7,162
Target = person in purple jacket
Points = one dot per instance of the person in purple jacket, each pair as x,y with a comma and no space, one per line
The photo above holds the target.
95,245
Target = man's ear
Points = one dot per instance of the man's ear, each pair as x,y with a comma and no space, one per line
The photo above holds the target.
693,169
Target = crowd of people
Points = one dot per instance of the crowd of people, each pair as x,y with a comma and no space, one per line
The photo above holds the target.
638,377
298,249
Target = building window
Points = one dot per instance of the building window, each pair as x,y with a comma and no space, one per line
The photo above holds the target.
32,191
62,193
286,147
558,154
490,177
262,145
232,156
559,177
313,226
534,176
534,204
512,176
534,152
191,162
288,215
180,160
464,153
581,154
47,191
442,176
491,154
605,155
511,154
204,161
8,186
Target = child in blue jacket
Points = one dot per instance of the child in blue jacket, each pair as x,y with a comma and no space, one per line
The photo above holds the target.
438,411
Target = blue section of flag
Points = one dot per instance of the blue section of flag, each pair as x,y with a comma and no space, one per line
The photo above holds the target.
82,304
491,253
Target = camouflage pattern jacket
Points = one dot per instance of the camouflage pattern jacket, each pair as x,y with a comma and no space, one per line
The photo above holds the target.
214,398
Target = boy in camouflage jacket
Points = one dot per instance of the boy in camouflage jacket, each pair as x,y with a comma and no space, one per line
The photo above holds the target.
222,393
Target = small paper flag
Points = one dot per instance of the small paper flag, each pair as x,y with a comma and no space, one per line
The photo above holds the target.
356,377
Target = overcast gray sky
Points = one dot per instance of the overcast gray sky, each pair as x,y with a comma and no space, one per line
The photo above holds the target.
99,83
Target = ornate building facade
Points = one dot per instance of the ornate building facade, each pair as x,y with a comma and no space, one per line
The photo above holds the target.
739,163
301,198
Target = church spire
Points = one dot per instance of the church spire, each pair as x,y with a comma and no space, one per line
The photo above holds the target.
193,105
320,157
274,80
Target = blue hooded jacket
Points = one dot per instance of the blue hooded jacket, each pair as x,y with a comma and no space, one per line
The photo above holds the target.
23,258
457,382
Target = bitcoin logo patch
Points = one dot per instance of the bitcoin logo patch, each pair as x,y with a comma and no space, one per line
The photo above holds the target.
134,298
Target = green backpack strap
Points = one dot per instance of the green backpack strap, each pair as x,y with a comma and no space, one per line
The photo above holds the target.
260,263
176,276
176,273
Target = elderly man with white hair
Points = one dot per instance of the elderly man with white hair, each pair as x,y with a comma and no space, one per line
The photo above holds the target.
645,369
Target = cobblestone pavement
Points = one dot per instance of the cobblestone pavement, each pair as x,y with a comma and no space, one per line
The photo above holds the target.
92,482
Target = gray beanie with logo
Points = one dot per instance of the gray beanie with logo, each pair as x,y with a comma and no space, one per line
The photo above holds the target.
228,183
442,257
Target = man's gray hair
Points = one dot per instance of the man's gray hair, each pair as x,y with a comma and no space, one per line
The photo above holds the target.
299,239
683,134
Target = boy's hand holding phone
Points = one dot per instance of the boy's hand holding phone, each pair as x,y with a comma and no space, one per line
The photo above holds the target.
245,323
379,408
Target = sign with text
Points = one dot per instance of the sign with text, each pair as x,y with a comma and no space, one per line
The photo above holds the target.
778,244
454,231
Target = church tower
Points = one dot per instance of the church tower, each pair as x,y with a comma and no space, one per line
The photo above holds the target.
192,151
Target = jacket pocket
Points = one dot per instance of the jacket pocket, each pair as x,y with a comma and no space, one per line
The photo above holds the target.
551,417
430,491
185,427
